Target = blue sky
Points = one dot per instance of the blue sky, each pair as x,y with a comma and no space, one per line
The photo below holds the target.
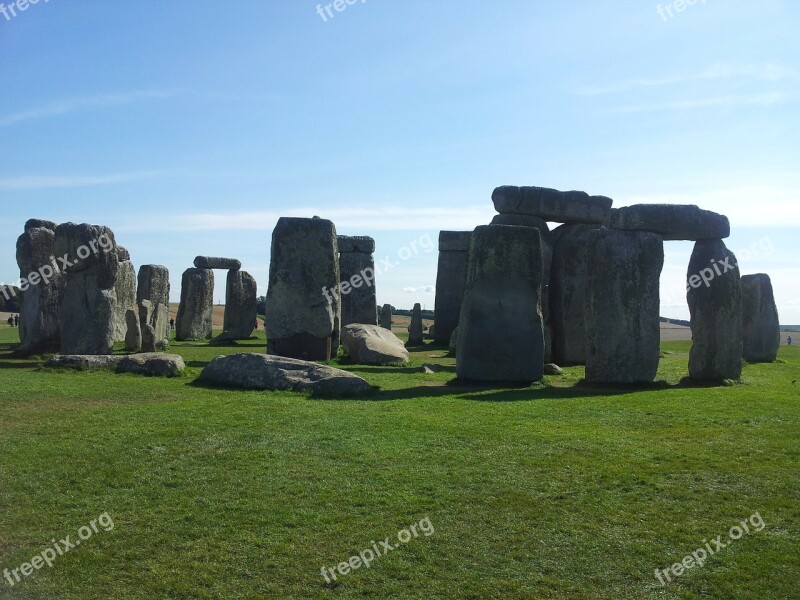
190,127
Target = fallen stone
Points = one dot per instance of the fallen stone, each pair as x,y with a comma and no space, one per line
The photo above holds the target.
215,262
373,345
714,294
500,333
622,306
268,372
760,323
196,309
450,278
552,205
155,364
671,221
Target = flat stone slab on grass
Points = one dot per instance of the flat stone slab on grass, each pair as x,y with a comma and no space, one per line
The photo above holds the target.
250,371
215,262
373,345
147,363
551,205
671,221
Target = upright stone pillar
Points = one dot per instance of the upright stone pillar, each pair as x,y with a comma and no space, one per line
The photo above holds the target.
416,333
196,309
622,306
39,325
386,317
568,293
357,270
714,294
240,306
762,331
500,332
303,313
450,278
89,299
153,285
125,289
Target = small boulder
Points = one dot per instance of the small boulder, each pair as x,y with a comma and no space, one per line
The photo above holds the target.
373,345
552,369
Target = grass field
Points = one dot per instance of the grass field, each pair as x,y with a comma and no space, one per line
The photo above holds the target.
553,491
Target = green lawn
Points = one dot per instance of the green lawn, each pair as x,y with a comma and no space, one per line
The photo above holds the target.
554,491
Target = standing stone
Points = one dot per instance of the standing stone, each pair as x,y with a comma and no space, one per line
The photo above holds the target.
568,293
761,327
39,325
153,285
622,306
450,279
714,294
416,333
88,306
357,269
133,336
500,333
386,317
148,332
126,293
240,306
196,309
303,309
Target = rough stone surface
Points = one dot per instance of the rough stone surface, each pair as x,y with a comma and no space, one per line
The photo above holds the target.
500,333
303,309
123,254
158,365
240,306
197,305
622,306
267,372
761,326
215,262
125,289
671,221
40,223
552,205
714,294
450,278
452,346
386,317
148,332
153,285
416,331
88,304
357,270
568,276
552,369
133,335
373,345
39,325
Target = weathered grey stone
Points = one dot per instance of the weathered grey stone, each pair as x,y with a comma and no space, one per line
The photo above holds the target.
568,293
240,306
450,278
40,223
133,335
148,332
196,309
671,221
39,304
303,308
430,369
372,345
416,333
552,205
357,271
386,317
153,285
553,369
267,372
158,365
500,333
125,289
622,306
714,294
215,262
761,326
88,305
123,254
452,346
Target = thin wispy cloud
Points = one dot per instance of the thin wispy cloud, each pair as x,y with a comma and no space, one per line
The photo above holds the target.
69,105
766,72
425,289
39,182
764,99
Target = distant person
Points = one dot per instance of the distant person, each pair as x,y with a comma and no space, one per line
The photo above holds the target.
10,321
172,324
788,340
16,320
